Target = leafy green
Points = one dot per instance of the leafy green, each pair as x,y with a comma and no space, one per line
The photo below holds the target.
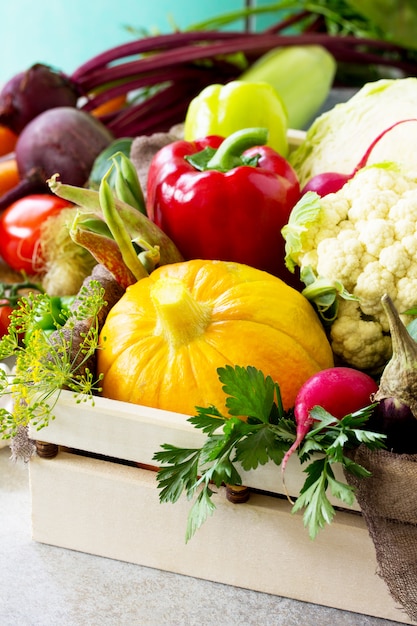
397,21
330,437
266,435
324,293
45,364
230,441
304,215
339,17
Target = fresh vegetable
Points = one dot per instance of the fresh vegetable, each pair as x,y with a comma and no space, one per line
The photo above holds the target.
337,139
49,313
224,109
62,264
352,247
10,294
175,327
396,395
8,140
338,390
399,379
330,182
9,174
225,200
397,22
112,105
5,311
301,75
62,140
33,91
20,228
169,70
116,234
232,444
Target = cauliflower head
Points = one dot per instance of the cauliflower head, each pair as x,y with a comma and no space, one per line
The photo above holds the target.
360,242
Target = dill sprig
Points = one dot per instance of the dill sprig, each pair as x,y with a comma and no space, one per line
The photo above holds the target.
45,364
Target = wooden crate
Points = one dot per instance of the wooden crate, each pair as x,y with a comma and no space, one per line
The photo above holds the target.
102,502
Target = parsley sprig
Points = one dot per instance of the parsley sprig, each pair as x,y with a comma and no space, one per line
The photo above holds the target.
268,432
328,441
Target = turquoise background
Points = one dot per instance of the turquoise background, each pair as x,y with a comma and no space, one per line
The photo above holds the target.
64,34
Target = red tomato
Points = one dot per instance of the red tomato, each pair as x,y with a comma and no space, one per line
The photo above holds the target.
20,226
5,311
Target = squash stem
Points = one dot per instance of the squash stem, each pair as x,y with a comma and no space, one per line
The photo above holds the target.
181,318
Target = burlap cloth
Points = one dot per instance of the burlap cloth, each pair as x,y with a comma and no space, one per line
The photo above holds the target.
388,500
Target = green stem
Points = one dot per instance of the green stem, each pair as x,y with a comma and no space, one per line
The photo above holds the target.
127,185
284,8
233,16
229,154
118,230
323,291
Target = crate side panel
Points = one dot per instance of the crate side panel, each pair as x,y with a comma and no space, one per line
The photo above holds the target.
114,511
134,433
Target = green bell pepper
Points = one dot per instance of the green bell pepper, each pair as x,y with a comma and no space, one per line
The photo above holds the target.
224,109
50,315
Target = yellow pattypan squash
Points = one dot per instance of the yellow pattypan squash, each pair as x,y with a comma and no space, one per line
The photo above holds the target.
163,341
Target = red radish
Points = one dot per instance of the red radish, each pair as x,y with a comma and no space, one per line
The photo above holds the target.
330,182
338,390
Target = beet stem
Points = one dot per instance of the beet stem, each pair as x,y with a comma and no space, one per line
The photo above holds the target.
258,42
147,44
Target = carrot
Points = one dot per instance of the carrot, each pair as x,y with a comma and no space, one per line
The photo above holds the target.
7,140
9,175
110,106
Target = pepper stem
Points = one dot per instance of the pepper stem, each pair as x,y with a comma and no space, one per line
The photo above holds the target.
229,154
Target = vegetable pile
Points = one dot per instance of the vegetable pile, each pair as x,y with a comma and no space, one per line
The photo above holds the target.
263,292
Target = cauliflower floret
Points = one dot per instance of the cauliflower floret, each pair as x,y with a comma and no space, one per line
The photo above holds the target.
372,283
407,293
369,245
340,258
361,343
409,243
372,192
368,205
332,216
405,208
395,259
375,234
403,228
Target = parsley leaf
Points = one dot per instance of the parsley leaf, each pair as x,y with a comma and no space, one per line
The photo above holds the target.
258,430
230,440
260,446
250,393
330,437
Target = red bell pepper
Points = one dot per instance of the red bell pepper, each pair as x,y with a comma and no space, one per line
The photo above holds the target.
225,199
